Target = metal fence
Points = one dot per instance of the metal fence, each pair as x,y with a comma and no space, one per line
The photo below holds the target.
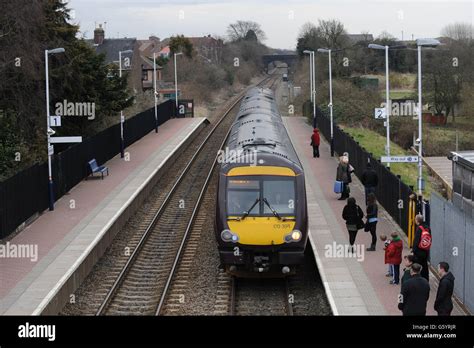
26,193
453,242
392,193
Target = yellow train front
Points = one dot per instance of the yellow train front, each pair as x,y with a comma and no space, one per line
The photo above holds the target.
261,211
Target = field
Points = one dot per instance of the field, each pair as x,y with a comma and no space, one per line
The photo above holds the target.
375,144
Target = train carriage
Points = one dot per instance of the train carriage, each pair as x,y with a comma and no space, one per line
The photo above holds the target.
261,210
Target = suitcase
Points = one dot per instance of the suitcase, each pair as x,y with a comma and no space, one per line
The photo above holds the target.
338,187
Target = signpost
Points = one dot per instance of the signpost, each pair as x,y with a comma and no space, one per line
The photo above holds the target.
399,159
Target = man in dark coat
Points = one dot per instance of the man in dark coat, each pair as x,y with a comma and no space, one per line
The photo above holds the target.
415,293
443,303
421,255
370,180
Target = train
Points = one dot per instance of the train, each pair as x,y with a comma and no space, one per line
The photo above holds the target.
261,220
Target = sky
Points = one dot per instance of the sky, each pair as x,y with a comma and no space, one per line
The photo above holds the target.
281,20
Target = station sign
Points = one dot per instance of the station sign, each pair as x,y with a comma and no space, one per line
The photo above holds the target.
55,121
62,140
380,114
400,159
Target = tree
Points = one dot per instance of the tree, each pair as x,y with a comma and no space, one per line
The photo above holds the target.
442,83
459,31
332,33
181,44
239,30
27,28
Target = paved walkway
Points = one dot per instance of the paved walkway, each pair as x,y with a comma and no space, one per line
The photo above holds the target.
65,236
356,286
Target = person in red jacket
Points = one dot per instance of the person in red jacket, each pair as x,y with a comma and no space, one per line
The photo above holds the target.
315,141
393,256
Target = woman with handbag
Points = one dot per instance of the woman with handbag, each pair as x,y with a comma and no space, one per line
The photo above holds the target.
371,224
343,175
353,216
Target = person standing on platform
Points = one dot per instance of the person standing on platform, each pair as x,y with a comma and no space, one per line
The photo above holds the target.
371,225
370,180
414,294
315,142
408,259
443,303
394,256
422,245
343,175
353,216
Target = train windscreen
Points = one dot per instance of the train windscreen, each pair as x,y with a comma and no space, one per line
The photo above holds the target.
261,196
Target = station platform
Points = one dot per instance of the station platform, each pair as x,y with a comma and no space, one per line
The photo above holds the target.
355,285
73,237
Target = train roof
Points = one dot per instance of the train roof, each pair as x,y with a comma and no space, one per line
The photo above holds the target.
259,126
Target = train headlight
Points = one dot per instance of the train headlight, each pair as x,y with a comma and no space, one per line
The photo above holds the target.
294,236
228,236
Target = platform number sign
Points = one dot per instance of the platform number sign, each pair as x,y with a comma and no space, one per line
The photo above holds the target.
182,109
380,113
55,121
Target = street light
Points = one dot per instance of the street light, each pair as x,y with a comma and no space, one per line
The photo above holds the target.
49,131
328,50
421,43
387,86
122,118
155,92
312,73
176,78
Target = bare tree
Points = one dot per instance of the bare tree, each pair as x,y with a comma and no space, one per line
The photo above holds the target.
332,33
459,31
238,31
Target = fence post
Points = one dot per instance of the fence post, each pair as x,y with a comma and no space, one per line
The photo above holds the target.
411,219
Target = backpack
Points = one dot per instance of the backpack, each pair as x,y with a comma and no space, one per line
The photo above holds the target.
425,239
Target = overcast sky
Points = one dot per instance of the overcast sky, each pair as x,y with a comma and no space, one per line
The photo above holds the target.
281,20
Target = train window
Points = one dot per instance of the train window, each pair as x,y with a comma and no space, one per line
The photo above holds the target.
241,196
280,194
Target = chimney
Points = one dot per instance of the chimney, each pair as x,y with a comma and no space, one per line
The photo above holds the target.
99,35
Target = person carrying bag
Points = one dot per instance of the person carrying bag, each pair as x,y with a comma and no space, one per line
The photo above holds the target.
353,216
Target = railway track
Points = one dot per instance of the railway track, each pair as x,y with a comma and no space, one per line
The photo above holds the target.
261,297
142,284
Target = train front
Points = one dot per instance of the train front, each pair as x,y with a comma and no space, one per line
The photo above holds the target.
261,211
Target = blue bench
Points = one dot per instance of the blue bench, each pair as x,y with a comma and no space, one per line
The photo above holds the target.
95,168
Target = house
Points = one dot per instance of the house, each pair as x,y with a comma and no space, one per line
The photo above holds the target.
354,39
135,59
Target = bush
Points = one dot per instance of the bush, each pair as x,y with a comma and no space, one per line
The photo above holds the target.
352,105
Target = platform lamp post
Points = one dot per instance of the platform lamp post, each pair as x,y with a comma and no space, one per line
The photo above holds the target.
312,78
329,51
386,48
310,74
155,92
176,79
421,43
49,131
122,118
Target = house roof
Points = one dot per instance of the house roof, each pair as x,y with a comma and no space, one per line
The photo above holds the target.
355,38
111,47
147,63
